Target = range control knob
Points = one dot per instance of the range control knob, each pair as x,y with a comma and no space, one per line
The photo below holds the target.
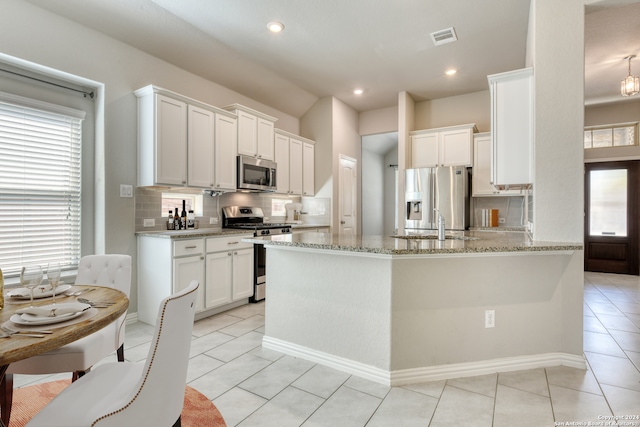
264,232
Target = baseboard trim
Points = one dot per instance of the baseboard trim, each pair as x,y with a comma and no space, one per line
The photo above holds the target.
424,374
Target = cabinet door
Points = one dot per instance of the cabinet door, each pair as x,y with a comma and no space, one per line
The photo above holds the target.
171,141
512,127
295,166
242,274
282,160
226,135
308,169
265,139
200,147
184,271
456,147
424,150
218,287
247,136
481,183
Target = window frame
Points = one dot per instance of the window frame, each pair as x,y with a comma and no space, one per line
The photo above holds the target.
611,128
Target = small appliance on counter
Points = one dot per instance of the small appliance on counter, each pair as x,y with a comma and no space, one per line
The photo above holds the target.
252,219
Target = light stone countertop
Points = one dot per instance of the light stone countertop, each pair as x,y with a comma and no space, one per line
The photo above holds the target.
192,234
469,242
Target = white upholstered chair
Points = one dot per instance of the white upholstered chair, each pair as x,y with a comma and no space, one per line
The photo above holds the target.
134,394
78,357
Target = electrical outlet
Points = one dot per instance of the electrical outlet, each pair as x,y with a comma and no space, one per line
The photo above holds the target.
490,319
149,222
213,220
501,220
126,190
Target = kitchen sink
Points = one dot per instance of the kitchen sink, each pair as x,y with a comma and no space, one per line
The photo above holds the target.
434,237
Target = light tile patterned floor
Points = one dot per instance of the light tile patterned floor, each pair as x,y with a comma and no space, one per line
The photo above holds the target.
253,386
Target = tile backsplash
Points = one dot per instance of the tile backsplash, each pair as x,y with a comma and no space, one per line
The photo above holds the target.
149,206
511,208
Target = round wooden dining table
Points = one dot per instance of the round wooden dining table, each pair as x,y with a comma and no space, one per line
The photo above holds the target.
16,348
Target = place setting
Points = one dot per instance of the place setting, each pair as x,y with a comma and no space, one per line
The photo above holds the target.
31,277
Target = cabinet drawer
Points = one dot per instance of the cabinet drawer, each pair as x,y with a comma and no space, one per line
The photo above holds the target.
219,244
188,247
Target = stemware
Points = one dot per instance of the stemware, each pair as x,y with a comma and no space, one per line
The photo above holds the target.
31,277
53,275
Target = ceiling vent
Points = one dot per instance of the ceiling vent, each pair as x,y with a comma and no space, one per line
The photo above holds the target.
444,36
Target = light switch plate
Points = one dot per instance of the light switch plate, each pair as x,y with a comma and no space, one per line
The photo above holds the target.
126,190
213,220
149,222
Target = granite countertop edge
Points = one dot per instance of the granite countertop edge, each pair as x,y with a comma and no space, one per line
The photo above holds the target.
479,242
191,234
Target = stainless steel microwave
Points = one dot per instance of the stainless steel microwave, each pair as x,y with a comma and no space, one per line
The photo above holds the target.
256,174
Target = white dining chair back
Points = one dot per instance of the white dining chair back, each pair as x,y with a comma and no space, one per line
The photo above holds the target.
134,394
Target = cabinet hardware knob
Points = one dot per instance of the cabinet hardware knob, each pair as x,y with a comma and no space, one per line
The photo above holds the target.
228,253
235,253
201,257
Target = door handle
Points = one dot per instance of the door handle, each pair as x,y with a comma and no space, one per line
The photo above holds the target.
342,222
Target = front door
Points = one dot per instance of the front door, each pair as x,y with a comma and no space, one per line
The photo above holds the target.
611,217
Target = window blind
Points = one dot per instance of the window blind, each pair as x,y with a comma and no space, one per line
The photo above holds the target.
40,184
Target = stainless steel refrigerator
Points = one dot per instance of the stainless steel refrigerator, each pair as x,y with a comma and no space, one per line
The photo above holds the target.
443,188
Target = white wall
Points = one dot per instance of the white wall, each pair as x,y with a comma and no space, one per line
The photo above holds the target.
373,195
558,61
456,110
383,120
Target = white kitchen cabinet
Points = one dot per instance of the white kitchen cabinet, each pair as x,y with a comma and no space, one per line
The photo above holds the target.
200,146
481,184
223,265
281,145
180,141
512,127
255,132
225,153
450,146
230,263
295,167
295,157
308,169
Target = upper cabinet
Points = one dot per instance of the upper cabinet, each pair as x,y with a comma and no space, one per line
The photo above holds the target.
255,132
512,127
183,142
482,184
295,157
449,146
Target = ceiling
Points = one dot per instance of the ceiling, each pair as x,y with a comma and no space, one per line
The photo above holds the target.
330,47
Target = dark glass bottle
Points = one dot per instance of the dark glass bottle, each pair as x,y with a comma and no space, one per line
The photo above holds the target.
176,220
183,216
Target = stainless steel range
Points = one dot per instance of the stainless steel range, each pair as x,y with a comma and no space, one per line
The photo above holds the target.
252,219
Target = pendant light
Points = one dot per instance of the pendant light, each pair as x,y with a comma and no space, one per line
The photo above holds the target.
631,85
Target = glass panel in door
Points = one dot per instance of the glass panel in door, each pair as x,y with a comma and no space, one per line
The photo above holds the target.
608,203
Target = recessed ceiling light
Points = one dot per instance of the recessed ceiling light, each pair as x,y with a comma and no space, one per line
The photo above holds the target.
358,91
275,26
451,72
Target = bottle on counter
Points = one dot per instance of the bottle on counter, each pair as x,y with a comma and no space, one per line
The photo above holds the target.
183,216
176,220
170,220
190,219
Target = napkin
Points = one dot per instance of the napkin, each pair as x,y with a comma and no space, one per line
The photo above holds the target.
53,310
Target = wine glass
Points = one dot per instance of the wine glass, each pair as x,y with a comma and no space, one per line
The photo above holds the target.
53,275
31,277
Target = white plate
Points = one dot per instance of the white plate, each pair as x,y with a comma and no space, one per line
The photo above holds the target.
38,320
23,293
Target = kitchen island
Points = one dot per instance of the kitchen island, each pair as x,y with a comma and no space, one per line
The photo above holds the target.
406,310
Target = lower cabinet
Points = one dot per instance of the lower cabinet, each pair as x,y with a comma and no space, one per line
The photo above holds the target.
222,265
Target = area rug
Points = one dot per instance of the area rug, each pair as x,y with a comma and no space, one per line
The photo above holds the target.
198,411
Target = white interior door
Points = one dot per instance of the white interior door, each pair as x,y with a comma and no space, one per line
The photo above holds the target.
348,192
